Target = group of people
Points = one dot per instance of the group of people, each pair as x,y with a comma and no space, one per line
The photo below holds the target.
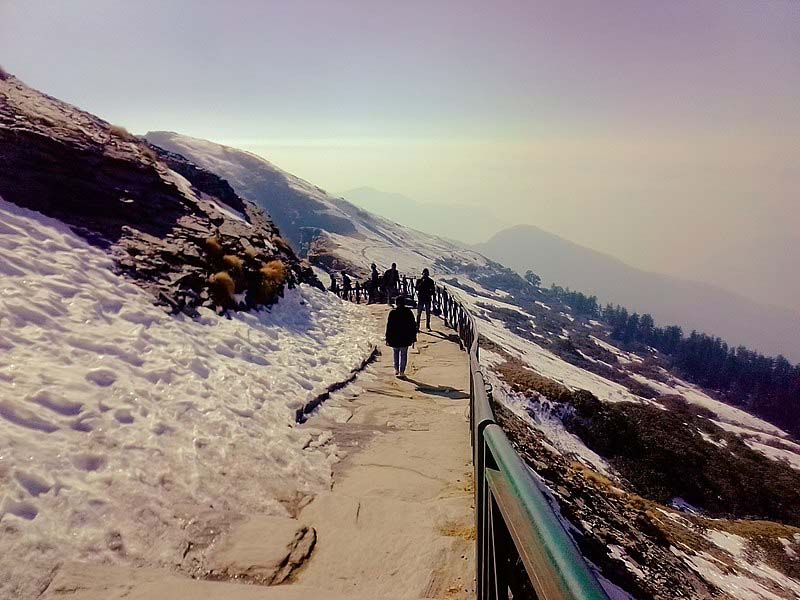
401,326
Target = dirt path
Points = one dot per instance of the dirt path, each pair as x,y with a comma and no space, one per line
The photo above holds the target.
399,520
397,523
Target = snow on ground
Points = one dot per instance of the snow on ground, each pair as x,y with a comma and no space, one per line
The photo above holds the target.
749,580
113,414
739,420
538,358
779,454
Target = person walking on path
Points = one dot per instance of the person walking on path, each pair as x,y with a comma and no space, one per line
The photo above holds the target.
391,280
334,285
401,332
374,284
426,289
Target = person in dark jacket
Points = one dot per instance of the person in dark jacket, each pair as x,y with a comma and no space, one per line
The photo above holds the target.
347,285
374,284
334,284
426,289
391,281
401,332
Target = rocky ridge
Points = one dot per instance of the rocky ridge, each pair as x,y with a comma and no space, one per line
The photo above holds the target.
177,230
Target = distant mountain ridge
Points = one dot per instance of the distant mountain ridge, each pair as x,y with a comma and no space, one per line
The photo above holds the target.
671,300
466,224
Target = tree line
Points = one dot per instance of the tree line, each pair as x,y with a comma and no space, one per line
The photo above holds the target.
766,386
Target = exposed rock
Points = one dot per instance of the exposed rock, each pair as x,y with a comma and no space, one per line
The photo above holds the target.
262,549
151,209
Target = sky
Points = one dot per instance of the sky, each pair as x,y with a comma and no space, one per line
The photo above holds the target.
664,133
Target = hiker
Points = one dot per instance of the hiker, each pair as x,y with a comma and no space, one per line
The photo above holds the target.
334,285
347,286
374,284
401,332
426,289
391,281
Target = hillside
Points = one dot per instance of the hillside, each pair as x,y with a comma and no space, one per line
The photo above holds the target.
690,304
141,416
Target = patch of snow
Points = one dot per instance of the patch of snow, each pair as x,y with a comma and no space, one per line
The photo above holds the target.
682,505
618,553
549,365
710,440
113,413
779,454
757,572
739,586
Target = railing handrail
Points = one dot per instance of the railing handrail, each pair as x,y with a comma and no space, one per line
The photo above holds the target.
515,522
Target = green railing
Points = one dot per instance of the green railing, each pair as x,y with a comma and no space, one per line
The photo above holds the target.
522,548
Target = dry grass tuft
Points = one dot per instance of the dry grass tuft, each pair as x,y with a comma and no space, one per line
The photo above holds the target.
273,276
222,287
214,246
232,263
465,532
275,271
120,132
150,153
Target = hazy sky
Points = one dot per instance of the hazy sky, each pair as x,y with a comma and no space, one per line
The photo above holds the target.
664,132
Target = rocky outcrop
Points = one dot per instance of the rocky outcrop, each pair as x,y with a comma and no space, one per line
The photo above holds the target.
177,230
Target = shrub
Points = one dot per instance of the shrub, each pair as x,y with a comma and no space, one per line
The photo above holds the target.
232,263
222,288
4,74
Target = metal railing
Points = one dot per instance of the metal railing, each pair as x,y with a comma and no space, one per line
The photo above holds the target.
522,548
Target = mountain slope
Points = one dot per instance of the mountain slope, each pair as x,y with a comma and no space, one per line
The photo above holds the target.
131,434
467,224
331,231
693,305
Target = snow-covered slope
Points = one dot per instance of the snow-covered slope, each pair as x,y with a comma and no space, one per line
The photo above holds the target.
122,427
541,360
691,304
332,231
